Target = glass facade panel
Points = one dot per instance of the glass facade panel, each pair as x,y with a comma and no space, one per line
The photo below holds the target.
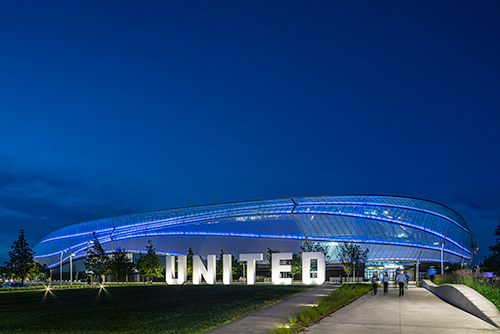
391,227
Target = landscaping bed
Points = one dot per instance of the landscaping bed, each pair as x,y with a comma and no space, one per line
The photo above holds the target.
486,287
346,294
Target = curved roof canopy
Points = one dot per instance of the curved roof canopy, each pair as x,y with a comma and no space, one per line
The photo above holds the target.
392,228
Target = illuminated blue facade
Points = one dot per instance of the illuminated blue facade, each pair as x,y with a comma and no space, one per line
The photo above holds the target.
393,228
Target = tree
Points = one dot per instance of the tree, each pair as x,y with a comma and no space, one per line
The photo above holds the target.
4,272
149,265
21,258
121,264
98,262
220,263
296,261
236,266
269,257
347,269
296,264
492,261
189,263
315,247
351,255
38,270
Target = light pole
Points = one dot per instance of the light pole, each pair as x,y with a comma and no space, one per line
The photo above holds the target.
60,270
442,251
416,274
70,265
70,268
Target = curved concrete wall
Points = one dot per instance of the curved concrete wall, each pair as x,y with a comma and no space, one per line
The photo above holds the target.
466,299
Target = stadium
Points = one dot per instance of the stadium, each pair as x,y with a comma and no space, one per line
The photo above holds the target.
398,231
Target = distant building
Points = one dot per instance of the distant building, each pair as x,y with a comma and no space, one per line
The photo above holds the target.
398,231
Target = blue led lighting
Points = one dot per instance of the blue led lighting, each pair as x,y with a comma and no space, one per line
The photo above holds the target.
103,240
137,251
392,221
359,241
269,222
399,207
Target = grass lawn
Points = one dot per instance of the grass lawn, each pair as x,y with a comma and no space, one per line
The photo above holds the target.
135,309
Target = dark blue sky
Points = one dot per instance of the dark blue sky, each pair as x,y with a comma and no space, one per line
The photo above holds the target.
112,108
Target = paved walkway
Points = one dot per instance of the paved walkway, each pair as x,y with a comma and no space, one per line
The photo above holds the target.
419,311
262,321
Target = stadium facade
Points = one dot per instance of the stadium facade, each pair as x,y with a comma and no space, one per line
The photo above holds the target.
396,230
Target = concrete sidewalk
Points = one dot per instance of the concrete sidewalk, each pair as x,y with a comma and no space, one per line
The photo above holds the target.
419,311
262,321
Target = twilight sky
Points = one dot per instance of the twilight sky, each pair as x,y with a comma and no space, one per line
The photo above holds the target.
117,107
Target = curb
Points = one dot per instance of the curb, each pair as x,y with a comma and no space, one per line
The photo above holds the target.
465,298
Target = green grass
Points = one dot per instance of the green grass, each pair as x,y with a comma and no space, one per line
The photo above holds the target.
44,285
135,309
335,300
482,285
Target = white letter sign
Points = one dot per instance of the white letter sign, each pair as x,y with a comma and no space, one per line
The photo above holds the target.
306,268
170,270
200,270
278,268
227,269
251,258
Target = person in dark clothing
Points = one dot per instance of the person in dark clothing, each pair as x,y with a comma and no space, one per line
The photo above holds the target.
374,284
385,282
401,278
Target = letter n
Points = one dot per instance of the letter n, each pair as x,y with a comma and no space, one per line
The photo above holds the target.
199,269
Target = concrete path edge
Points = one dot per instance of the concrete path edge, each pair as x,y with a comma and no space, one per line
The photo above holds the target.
465,298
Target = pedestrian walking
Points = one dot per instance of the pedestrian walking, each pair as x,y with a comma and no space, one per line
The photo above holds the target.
401,278
407,280
374,284
431,272
385,282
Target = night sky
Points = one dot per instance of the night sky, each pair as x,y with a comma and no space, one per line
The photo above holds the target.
113,108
